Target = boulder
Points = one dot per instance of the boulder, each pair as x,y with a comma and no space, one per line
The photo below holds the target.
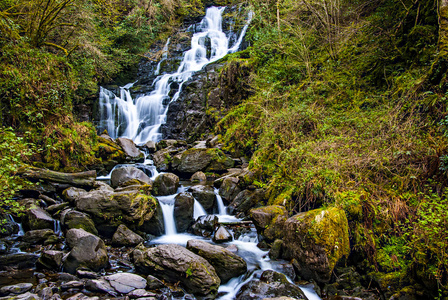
210,160
269,221
39,236
153,283
198,177
229,189
205,195
37,218
72,193
271,285
183,211
126,237
19,288
81,296
129,176
205,225
75,219
227,264
25,296
175,263
246,200
125,283
171,143
87,250
317,240
151,146
162,159
165,184
100,285
22,260
155,225
131,151
222,235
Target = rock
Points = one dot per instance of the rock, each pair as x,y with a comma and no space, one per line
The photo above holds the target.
162,159
317,239
87,251
183,211
13,275
131,151
37,218
205,225
19,288
129,176
229,188
100,285
141,293
9,226
74,219
72,193
198,177
205,195
152,283
126,237
22,260
26,296
210,160
151,146
222,235
270,285
110,152
269,221
165,184
38,236
81,296
124,283
276,249
46,293
56,208
74,284
227,264
155,225
171,143
50,259
86,274
174,263
245,200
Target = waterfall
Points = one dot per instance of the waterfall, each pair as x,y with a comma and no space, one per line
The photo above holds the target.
167,205
140,119
198,210
222,210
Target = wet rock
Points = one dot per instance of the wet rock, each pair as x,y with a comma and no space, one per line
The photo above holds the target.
110,152
86,274
205,195
22,260
155,225
171,143
245,200
46,293
269,221
317,239
198,177
50,259
75,284
227,264
270,285
126,237
8,225
56,208
19,288
174,263
129,176
183,211
11,276
34,237
275,251
87,251
37,218
165,184
72,193
100,285
124,283
67,277
152,283
151,146
205,225
162,159
131,151
74,219
222,235
81,296
210,160
26,296
229,188
141,293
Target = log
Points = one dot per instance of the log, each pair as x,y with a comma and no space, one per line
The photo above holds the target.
81,179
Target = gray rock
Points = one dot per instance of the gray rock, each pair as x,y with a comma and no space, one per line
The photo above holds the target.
229,188
26,296
174,263
131,151
23,260
129,176
50,259
46,293
198,177
183,211
56,208
205,195
151,146
245,200
72,193
38,236
19,288
222,235
37,218
152,283
226,263
86,274
81,296
141,293
205,225
87,251
126,237
74,219
100,285
270,221
124,283
75,284
165,184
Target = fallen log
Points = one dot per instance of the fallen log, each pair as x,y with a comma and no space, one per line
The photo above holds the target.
81,179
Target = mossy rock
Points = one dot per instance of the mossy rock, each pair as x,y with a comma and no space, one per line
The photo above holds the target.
200,159
269,221
317,239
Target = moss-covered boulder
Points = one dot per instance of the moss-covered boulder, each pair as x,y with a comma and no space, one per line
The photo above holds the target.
37,218
199,159
175,263
229,188
109,151
165,184
129,176
269,221
76,219
317,240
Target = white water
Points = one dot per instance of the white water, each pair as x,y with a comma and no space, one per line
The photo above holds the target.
221,208
140,119
198,210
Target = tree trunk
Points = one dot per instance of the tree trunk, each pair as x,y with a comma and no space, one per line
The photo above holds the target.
82,179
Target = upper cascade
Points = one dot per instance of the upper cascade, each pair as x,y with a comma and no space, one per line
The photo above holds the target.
140,119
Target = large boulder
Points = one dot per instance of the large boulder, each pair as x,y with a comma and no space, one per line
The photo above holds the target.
271,285
229,188
72,193
175,263
125,283
131,151
210,160
129,176
87,250
205,195
76,219
246,200
165,184
183,211
269,221
37,218
40,236
126,237
317,240
226,263
50,260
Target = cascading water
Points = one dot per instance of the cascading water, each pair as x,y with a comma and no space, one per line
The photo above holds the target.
140,119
